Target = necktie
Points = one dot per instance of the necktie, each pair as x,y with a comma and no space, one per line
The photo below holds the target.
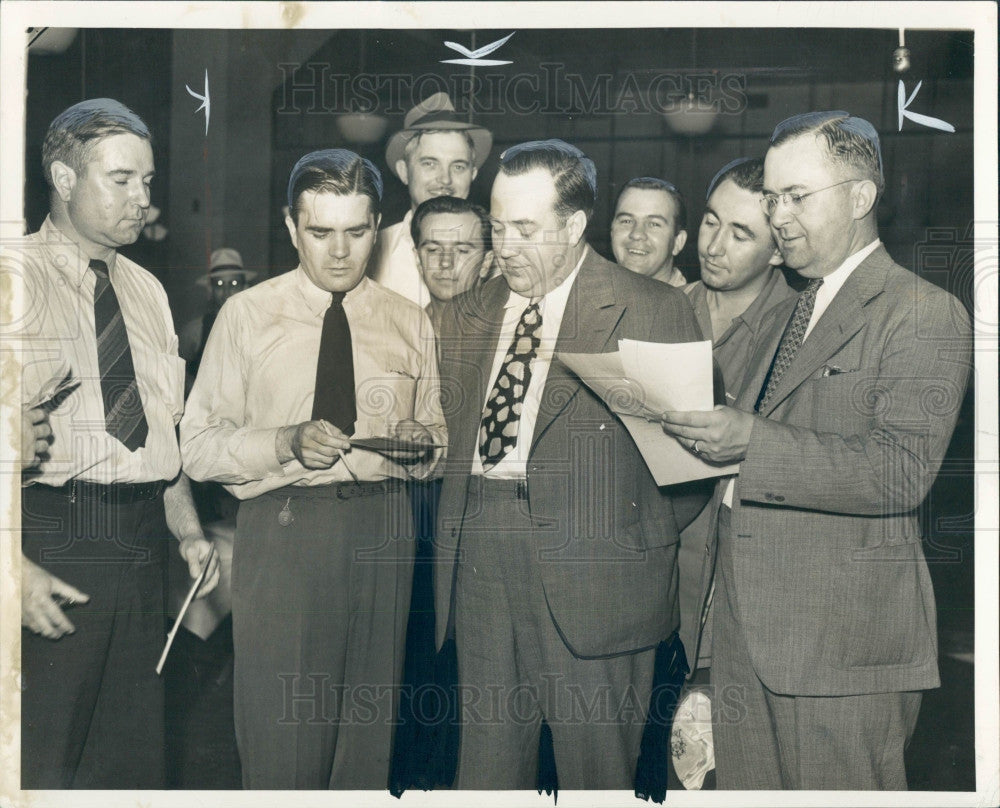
124,417
334,397
791,340
502,413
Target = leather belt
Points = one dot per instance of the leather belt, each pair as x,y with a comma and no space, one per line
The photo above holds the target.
346,490
108,494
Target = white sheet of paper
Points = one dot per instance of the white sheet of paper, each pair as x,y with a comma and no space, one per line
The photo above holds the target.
643,379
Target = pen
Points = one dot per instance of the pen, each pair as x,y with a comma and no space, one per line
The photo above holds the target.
343,457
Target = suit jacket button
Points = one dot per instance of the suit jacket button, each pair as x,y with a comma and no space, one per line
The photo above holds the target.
768,496
454,532
778,498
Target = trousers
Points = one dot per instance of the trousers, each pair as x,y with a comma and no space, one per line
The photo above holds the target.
321,591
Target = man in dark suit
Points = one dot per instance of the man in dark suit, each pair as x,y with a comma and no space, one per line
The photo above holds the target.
824,619
556,550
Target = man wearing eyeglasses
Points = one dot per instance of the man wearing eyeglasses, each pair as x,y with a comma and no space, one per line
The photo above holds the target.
824,616
556,566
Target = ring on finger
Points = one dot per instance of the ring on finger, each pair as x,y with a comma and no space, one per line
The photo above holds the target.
696,448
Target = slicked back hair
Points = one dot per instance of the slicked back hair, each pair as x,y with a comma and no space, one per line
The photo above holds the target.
656,184
335,171
450,204
850,141
746,172
73,133
574,173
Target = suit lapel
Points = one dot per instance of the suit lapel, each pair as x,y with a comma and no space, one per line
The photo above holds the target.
589,321
841,321
482,318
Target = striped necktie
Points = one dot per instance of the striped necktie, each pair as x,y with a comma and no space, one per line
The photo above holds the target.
791,340
124,417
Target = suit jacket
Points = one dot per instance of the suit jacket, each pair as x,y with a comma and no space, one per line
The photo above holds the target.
607,533
831,585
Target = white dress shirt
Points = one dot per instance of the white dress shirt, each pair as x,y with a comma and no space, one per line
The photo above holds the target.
551,308
394,263
258,375
57,329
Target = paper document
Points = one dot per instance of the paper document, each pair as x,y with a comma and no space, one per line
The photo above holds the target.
643,379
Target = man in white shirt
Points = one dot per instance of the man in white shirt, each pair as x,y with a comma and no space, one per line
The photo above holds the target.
295,370
648,229
556,549
436,153
824,616
100,502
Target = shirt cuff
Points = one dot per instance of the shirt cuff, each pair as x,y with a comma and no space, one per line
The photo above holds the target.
261,454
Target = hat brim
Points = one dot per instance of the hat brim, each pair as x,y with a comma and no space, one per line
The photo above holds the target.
249,274
482,139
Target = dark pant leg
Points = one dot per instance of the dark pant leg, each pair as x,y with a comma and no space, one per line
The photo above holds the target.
92,705
319,611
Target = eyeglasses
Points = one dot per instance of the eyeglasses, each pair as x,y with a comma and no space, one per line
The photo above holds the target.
793,201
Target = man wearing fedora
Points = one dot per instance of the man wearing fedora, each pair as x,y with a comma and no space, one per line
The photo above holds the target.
226,276
436,153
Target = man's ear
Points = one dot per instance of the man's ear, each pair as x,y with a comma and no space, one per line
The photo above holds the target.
486,268
775,260
577,224
475,171
63,179
679,241
290,224
402,172
865,197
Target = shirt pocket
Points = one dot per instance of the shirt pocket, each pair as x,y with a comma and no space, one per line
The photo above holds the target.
387,396
163,374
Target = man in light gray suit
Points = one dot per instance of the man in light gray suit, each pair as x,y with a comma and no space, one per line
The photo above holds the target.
824,618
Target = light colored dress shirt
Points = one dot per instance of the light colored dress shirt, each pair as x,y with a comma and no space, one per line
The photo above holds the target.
552,308
258,375
56,329
394,263
824,297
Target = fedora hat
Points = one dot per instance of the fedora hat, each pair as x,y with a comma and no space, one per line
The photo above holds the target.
224,263
436,112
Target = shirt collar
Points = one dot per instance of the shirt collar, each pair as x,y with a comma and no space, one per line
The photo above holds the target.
561,292
833,281
762,301
66,255
318,300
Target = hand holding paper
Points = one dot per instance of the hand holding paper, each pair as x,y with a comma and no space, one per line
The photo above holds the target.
642,380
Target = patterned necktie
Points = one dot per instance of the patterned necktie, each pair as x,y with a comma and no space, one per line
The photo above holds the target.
124,417
791,340
334,397
502,413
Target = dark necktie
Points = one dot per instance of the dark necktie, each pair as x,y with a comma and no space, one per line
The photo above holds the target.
124,417
791,340
502,413
334,397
